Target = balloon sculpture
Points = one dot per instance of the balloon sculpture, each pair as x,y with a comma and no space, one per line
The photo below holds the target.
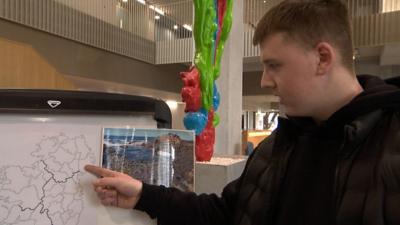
213,22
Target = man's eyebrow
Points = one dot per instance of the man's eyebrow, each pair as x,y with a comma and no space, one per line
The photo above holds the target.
269,60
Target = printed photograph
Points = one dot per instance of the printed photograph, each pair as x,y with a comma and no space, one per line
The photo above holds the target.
155,156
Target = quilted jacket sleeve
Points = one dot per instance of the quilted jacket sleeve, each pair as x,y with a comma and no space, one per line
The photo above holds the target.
174,207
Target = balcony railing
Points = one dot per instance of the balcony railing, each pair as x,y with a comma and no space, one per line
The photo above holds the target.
162,34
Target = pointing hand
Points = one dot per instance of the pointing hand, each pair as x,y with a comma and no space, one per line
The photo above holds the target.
114,188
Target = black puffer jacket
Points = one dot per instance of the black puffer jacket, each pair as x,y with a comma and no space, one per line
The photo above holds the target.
366,184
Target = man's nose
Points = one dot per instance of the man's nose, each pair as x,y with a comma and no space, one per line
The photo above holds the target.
267,81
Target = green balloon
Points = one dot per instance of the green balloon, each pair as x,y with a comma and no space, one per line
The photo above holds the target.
216,120
200,12
204,29
203,32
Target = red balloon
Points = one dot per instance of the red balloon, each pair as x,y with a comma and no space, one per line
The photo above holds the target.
192,97
221,13
191,92
191,77
205,141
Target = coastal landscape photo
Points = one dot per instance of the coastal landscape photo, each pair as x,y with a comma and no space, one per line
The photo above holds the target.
155,156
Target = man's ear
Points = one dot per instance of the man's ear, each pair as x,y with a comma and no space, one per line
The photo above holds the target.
325,54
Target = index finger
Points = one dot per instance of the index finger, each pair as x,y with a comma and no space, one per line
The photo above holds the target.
99,171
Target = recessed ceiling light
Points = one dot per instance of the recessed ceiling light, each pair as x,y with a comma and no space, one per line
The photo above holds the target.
175,27
157,17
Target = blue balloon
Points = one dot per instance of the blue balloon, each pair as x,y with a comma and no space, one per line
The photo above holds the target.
196,121
216,97
204,111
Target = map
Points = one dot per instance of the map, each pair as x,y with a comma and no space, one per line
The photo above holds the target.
46,187
42,180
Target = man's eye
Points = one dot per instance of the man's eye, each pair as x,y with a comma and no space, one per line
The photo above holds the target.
273,65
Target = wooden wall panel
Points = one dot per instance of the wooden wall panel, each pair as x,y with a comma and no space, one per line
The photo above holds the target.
22,67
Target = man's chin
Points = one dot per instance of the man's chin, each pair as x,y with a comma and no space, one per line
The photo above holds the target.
285,111
290,112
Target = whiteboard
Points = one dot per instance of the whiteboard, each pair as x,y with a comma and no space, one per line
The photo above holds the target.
42,180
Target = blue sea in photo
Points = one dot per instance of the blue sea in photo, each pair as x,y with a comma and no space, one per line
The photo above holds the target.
141,150
138,134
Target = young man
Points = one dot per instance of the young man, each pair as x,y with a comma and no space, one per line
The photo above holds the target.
334,160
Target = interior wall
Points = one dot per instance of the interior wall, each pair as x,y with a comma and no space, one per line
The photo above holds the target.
372,67
22,67
34,59
87,84
178,114
252,84
73,58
